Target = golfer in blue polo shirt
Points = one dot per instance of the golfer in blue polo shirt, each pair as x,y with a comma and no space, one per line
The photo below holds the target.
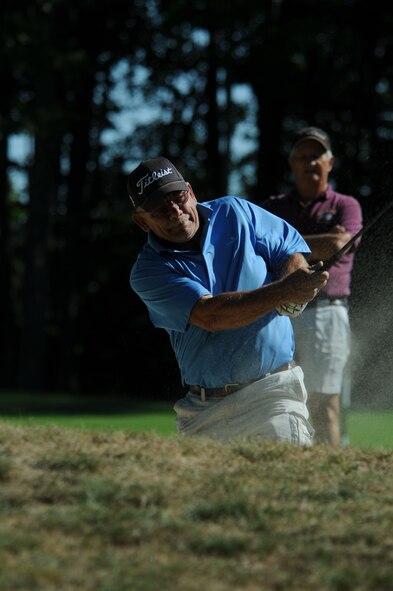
222,278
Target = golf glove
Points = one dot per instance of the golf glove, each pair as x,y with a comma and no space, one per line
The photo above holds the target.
291,310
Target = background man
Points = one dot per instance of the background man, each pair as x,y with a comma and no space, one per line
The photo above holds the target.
215,276
327,220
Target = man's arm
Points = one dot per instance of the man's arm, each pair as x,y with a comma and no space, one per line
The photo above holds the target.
229,310
323,246
293,262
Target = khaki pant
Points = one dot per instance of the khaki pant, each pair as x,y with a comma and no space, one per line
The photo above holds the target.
322,345
271,408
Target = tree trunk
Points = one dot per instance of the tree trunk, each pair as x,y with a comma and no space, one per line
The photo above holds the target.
213,163
33,356
76,258
7,317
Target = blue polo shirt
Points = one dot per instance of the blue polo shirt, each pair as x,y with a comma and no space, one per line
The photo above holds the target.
242,248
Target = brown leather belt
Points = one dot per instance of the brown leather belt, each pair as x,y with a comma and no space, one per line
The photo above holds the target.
231,388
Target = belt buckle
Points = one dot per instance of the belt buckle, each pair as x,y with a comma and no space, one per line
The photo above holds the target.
236,386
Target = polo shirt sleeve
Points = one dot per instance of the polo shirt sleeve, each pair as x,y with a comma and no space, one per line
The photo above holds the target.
168,295
276,239
351,215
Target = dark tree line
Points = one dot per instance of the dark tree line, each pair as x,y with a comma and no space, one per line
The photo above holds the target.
68,319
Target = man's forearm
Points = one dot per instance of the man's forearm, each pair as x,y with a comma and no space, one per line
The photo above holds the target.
237,309
323,246
293,262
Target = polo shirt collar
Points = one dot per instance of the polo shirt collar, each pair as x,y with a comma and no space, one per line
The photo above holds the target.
294,196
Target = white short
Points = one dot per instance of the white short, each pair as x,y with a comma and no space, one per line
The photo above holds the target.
323,345
271,408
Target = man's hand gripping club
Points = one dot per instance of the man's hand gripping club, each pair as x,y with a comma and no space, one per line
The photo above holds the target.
302,285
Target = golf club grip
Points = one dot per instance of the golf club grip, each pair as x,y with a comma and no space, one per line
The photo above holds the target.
329,263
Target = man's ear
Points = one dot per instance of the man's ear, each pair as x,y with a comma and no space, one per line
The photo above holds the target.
332,161
139,220
191,190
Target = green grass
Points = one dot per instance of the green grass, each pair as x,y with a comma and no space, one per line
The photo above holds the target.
90,412
371,429
161,423
366,429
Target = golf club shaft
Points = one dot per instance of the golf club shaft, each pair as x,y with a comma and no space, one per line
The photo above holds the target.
333,259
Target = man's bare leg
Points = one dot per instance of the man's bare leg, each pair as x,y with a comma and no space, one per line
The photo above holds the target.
325,417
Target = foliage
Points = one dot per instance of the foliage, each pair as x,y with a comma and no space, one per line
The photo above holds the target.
68,317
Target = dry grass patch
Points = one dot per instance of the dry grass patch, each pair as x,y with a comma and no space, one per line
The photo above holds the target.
121,511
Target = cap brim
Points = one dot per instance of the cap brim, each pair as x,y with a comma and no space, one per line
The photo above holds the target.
315,139
153,200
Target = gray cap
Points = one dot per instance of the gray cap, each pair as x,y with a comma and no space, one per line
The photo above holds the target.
312,133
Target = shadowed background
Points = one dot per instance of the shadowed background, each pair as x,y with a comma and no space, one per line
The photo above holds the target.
93,88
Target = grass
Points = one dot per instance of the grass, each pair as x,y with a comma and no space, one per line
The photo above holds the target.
366,429
160,423
104,413
94,510
371,429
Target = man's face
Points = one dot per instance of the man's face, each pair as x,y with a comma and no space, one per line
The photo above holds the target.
175,219
311,163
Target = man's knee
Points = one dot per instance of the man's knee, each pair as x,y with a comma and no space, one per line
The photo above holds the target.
325,405
325,416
